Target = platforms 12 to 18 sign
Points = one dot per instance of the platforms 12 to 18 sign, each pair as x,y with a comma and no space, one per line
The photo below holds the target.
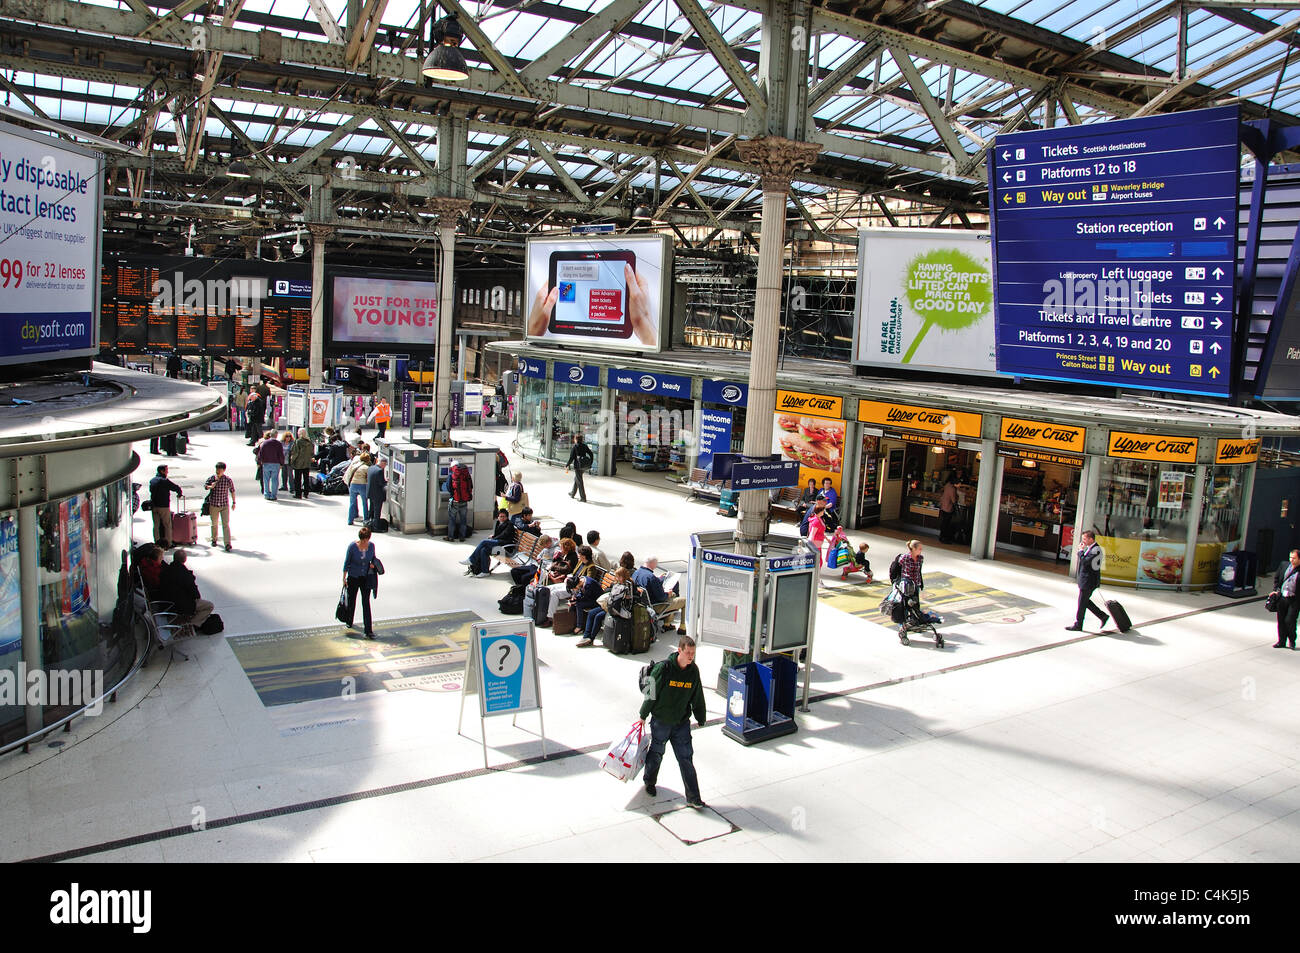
1115,251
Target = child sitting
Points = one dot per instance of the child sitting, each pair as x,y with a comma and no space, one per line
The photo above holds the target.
860,559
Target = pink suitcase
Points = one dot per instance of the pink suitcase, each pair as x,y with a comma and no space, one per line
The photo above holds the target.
185,527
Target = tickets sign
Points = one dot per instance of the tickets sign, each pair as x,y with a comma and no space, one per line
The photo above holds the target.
950,423
1156,447
1036,433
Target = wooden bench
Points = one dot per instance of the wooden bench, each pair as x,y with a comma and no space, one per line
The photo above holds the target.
527,548
785,506
702,487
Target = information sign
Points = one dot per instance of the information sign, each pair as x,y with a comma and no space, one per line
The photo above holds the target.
1115,251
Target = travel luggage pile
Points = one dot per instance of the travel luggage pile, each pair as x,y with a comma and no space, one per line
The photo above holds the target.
185,527
335,486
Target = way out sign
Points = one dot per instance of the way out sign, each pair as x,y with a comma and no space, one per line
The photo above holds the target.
501,668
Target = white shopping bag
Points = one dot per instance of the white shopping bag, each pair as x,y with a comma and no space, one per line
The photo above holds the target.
626,757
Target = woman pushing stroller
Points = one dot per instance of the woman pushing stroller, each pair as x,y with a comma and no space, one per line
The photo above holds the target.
905,600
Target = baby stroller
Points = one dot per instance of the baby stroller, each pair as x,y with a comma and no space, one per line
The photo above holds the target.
903,606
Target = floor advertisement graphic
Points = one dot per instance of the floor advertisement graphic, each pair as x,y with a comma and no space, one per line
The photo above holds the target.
300,665
954,598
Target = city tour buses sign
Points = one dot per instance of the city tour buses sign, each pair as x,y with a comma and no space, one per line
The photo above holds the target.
950,423
1152,446
1045,436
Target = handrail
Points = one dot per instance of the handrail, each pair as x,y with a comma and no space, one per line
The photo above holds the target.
141,656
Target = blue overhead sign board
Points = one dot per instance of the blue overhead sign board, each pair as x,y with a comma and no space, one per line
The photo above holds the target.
724,392
764,475
665,385
531,368
1115,251
576,373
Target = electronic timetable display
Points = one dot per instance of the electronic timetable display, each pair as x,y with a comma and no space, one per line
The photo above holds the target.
592,299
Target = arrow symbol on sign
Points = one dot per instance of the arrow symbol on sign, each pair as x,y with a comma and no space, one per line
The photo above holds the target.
1218,272
1216,347
1214,372
1005,155
1007,197
1219,222
1217,324
1218,298
1006,176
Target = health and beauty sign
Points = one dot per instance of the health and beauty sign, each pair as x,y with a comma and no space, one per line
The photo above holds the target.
925,299
715,436
528,367
1115,249
50,213
724,392
665,385
575,374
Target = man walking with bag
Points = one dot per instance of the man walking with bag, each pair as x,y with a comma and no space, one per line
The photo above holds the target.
674,693
160,504
1089,579
1288,606
580,458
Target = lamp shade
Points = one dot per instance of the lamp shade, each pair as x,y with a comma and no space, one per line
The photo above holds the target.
445,61
642,213
238,170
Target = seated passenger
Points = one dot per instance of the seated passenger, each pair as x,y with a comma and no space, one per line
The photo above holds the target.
181,588
619,597
664,605
503,534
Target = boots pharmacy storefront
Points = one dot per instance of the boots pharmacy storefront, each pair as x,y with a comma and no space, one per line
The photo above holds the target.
553,408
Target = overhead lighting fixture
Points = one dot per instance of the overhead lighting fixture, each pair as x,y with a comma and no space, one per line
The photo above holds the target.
298,247
642,212
939,451
445,61
238,170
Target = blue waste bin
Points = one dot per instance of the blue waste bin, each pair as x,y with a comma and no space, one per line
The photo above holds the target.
761,700
1237,572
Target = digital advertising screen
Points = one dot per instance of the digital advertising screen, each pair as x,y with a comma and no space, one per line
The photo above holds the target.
51,209
609,291
387,312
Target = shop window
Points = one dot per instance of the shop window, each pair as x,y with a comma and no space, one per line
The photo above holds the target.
1143,517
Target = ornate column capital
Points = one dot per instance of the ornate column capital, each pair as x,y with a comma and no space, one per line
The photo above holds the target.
321,233
447,209
778,160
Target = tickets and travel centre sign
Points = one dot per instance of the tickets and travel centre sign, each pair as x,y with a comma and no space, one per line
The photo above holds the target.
1114,251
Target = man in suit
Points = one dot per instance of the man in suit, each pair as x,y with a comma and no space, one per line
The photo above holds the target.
1284,583
377,487
1089,578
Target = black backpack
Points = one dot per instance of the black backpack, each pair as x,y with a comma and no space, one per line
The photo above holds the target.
512,603
646,677
896,569
583,457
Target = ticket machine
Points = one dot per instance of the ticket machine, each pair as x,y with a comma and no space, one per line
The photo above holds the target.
408,486
481,459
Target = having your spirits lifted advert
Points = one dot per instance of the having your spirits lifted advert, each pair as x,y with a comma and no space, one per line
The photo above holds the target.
50,210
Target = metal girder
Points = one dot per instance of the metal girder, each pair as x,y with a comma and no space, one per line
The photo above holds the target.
926,100
1014,123
846,71
363,32
703,163
721,51
487,49
327,22
558,168
704,206
276,173
22,97
174,17
1197,75
605,23
320,148
489,161
408,150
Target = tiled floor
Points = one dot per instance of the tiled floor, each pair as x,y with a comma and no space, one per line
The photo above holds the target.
1173,743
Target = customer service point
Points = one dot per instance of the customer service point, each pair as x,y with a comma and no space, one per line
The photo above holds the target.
764,606
1238,570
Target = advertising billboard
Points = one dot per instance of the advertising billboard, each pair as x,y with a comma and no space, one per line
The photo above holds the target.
613,292
51,208
925,300
816,442
387,312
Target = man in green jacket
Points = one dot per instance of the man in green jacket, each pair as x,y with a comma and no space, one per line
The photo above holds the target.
673,694
300,459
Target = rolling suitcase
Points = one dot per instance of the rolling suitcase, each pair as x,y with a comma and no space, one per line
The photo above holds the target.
617,634
541,606
1118,615
642,629
185,527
